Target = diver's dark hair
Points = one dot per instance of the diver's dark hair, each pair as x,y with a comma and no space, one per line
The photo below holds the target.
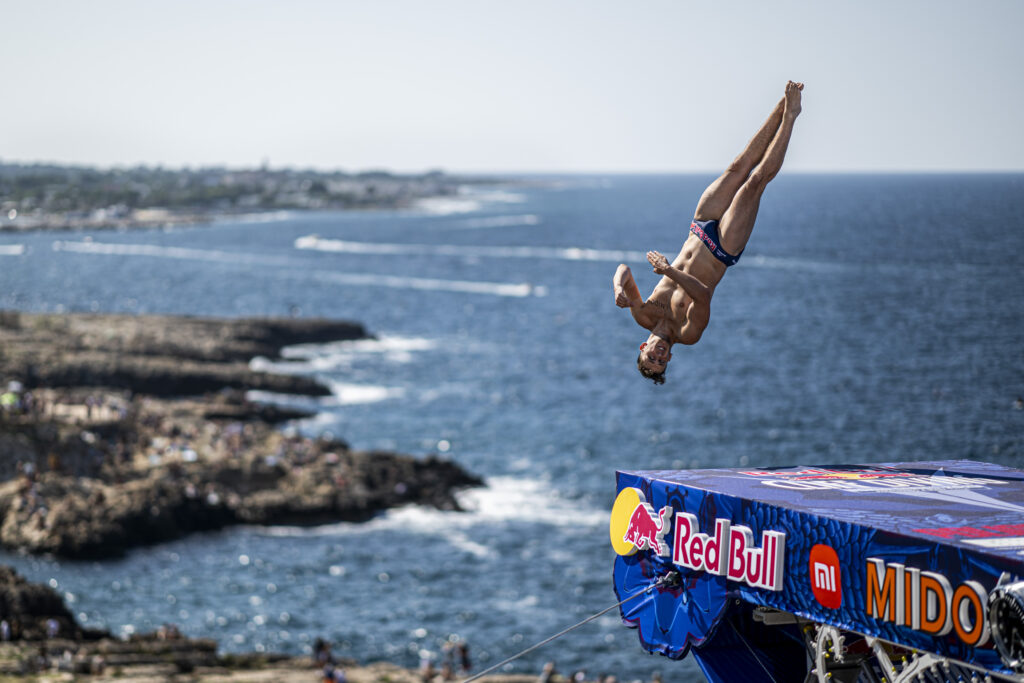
656,377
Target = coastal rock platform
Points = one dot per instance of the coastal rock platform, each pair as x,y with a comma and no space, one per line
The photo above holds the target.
133,430
158,355
43,641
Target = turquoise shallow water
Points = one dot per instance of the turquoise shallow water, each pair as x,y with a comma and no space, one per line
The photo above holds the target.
872,318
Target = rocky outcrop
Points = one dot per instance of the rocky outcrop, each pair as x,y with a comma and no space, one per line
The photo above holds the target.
82,518
43,635
158,355
138,432
35,611
163,656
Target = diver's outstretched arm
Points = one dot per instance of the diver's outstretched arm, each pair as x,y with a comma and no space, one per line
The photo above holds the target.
627,294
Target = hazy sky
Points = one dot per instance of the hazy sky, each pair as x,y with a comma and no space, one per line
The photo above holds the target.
522,85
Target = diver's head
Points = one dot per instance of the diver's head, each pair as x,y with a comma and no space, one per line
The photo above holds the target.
655,353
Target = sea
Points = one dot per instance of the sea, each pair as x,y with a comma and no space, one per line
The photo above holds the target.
872,318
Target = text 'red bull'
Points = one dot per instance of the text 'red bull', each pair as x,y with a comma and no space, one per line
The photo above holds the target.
730,552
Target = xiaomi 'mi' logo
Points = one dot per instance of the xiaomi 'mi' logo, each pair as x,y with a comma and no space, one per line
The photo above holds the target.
826,580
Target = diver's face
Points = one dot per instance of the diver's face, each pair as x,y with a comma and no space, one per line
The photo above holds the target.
655,353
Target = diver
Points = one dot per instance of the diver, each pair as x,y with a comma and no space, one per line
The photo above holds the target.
679,307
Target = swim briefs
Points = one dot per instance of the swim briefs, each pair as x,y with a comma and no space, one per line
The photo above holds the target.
707,232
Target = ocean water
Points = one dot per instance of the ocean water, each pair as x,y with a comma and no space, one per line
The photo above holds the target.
872,318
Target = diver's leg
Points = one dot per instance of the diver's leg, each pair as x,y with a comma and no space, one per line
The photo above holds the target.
738,221
719,194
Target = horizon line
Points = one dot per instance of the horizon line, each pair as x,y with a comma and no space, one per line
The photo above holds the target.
497,172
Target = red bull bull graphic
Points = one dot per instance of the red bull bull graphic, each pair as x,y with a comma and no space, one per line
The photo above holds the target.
646,531
636,526
907,565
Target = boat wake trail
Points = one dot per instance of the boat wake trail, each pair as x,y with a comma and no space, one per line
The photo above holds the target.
464,286
158,251
510,289
315,243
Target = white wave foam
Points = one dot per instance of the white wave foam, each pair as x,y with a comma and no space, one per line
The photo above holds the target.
12,249
342,394
463,542
262,364
358,279
492,196
353,394
312,404
500,222
399,349
526,500
433,284
315,243
522,604
257,217
446,206
185,253
468,200
318,358
503,500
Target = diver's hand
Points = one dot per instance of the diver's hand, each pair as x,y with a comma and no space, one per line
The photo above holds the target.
658,262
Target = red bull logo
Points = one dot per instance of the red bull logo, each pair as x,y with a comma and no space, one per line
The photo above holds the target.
635,525
731,552
703,236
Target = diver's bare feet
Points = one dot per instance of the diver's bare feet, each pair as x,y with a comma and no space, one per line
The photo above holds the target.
793,98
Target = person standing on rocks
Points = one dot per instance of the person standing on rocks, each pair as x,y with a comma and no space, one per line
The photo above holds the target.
465,665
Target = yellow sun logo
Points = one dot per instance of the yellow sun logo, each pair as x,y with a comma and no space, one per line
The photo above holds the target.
626,504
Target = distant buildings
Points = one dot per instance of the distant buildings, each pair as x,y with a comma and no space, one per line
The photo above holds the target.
41,196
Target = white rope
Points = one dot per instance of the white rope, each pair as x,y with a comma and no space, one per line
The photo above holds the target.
663,580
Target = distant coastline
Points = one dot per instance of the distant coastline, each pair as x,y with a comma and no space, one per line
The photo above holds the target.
54,197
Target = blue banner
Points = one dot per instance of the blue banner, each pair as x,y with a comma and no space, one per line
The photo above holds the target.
905,552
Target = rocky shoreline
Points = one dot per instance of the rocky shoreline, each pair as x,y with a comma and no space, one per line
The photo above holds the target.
131,430
157,355
41,640
122,431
